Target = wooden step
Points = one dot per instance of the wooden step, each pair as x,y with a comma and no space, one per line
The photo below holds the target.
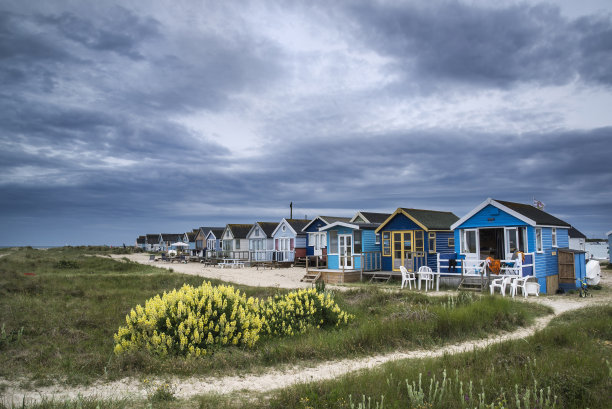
380,278
473,284
311,277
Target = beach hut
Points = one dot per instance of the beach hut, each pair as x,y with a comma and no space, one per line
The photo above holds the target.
261,243
353,248
166,239
190,239
152,242
235,243
141,242
316,240
213,241
498,229
290,240
200,240
414,237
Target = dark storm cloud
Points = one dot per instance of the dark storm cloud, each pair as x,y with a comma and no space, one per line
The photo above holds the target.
452,42
120,31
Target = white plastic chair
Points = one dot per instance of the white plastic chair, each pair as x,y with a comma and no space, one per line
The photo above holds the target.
500,283
425,274
407,278
525,286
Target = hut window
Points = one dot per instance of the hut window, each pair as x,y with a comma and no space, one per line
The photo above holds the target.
522,239
238,244
386,243
418,240
469,242
432,242
377,238
554,237
451,242
539,247
312,239
333,242
357,241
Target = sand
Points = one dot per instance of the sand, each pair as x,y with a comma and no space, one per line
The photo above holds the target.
290,375
278,277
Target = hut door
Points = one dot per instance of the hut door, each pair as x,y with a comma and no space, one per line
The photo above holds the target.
402,250
346,250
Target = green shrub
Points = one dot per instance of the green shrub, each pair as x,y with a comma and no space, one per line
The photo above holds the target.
191,321
297,311
194,320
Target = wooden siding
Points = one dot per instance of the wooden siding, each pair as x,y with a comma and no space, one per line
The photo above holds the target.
333,260
313,228
397,223
491,216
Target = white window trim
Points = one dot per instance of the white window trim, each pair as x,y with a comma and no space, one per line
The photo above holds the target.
462,236
541,243
555,243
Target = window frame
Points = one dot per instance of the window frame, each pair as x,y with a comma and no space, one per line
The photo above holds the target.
539,241
554,237
333,249
431,235
388,240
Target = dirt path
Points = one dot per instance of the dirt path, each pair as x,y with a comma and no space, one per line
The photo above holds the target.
280,378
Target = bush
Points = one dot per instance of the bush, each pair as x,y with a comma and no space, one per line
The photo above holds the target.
191,322
194,321
297,311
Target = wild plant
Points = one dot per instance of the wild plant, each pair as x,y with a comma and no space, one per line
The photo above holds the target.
447,392
10,337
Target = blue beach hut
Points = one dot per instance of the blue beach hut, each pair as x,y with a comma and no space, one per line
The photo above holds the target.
414,237
316,240
352,246
497,229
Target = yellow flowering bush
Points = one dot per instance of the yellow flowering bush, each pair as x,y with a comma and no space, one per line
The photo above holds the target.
295,312
191,321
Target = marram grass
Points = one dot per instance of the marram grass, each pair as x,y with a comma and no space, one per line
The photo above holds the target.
193,321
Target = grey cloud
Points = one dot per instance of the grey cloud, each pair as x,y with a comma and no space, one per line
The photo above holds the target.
120,31
451,42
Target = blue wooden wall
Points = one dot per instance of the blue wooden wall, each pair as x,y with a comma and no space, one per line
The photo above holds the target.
368,243
546,262
314,227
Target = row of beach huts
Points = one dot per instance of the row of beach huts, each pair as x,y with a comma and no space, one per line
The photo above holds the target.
344,249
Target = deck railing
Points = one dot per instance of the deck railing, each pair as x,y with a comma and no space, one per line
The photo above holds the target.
262,255
285,255
219,254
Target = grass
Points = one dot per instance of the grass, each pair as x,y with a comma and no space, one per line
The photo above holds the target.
571,357
60,308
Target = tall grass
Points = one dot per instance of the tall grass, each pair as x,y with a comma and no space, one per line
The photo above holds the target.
70,304
570,358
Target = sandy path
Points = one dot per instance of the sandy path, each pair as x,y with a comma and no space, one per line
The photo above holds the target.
278,277
280,378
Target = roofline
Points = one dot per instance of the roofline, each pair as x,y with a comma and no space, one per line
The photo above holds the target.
288,224
398,211
359,214
257,224
310,222
211,232
500,206
343,224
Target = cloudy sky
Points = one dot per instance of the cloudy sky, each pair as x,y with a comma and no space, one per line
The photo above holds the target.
130,117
